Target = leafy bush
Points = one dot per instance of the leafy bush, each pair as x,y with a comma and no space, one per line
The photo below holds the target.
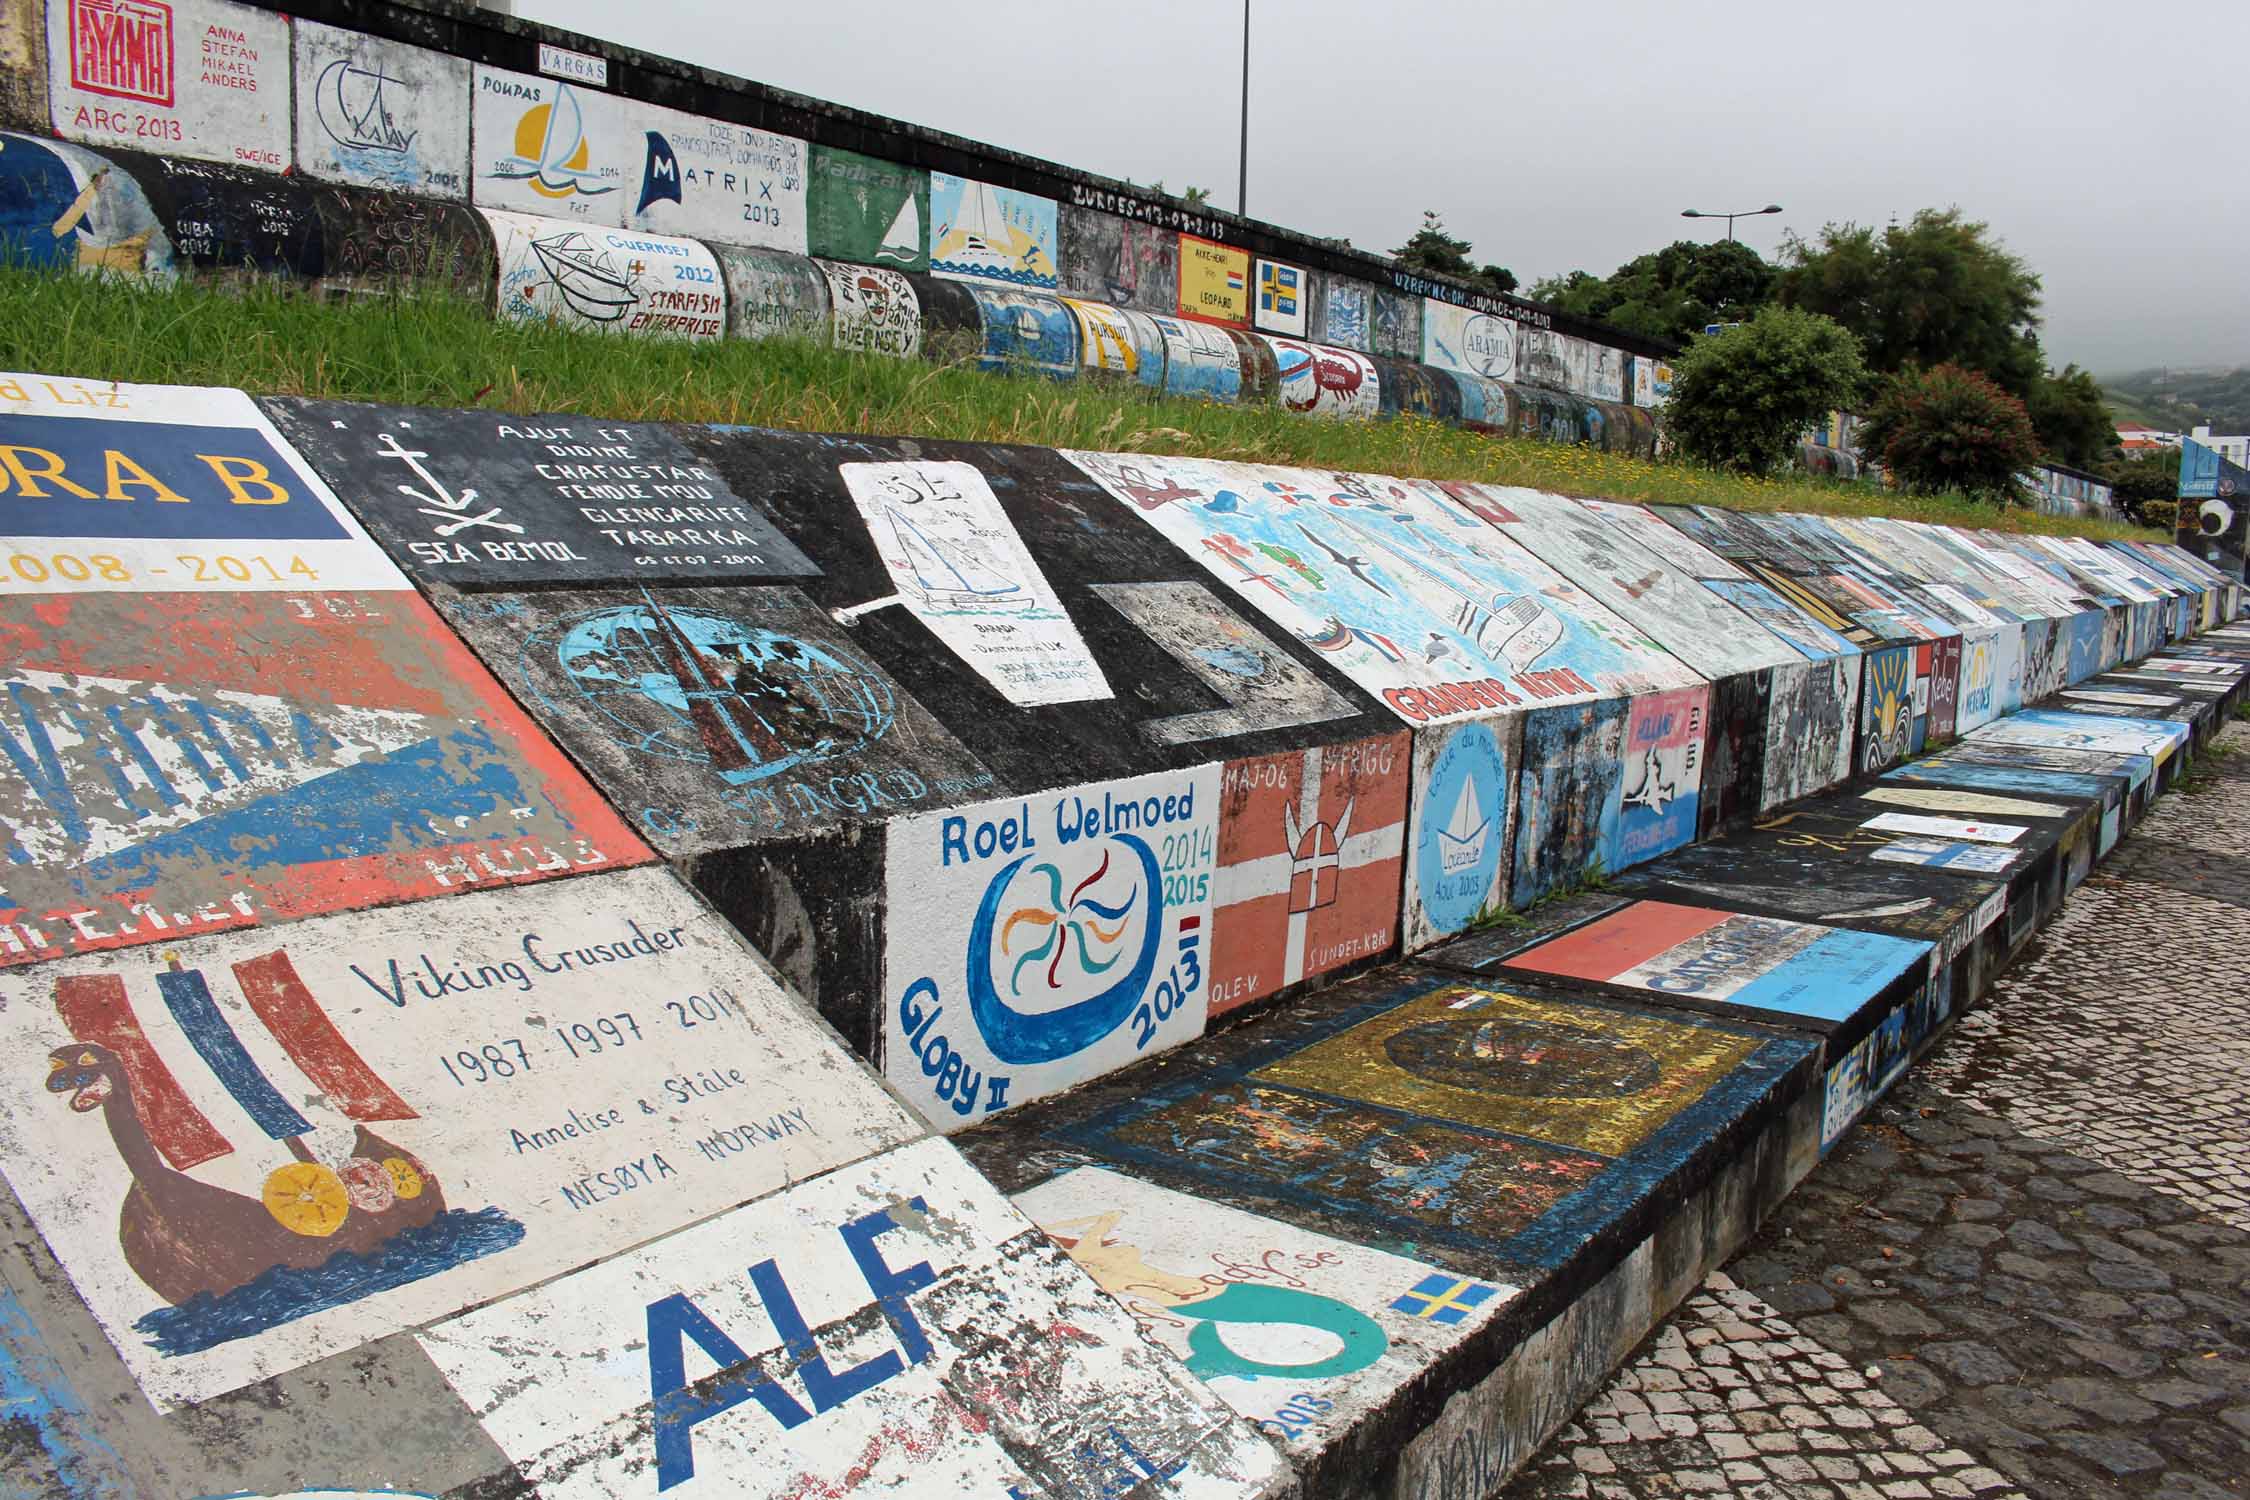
1742,398
1951,429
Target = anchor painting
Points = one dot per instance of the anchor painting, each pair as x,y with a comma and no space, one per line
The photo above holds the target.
320,1233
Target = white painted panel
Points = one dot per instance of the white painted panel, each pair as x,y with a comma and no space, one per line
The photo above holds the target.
1475,343
873,310
198,78
1036,942
381,114
895,1327
132,491
712,180
566,1070
606,280
550,147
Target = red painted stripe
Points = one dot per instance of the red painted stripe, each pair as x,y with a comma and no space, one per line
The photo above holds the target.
1619,941
275,991
96,1009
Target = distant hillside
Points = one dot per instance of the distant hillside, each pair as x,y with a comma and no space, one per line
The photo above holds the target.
2177,400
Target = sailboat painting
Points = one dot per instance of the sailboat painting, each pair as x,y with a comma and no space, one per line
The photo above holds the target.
962,570
1455,852
381,114
984,233
544,147
254,1150
555,271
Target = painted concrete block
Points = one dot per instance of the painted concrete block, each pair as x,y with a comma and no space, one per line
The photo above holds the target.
962,570
1214,284
205,79
1828,979
1080,921
1605,373
605,280
872,310
1736,747
384,242
312,1150
1412,596
64,207
1991,678
1115,341
2156,738
708,179
375,113
23,67
551,148
773,295
1311,856
1460,858
1488,1126
1024,333
1323,382
1472,342
1121,262
1776,564
900,1326
979,232
227,219
1200,360
1893,706
1347,311
1486,405
1396,328
1308,1336
1663,775
1652,381
1866,1071
718,717
1812,722
1283,299
1568,795
1945,689
474,499
867,211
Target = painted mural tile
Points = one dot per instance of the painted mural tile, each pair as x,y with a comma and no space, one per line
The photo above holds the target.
1214,282
603,280
1494,1121
1119,342
979,232
1951,799
2028,782
773,295
195,78
1975,751
1569,789
1261,688
381,242
1866,1072
1893,706
1782,968
2043,726
477,499
64,207
1311,845
1283,299
1948,854
1347,312
866,210
708,179
962,570
1458,866
1663,774
1122,262
135,488
1810,722
551,148
381,114
1397,325
1472,342
1420,602
1080,920
1323,382
313,1147
1605,373
900,1327
873,310
1763,878
1947,828
1026,333
1245,1301
718,717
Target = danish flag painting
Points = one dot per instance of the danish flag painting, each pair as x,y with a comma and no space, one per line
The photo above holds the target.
1311,853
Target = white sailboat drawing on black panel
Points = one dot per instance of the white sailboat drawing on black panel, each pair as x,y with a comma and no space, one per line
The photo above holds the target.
945,573
1461,841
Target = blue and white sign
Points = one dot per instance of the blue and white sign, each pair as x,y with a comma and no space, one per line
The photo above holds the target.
1462,803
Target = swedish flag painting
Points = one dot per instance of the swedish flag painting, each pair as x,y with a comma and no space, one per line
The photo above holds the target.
1281,299
1443,1299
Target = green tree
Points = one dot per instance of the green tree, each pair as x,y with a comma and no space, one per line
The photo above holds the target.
1950,429
1433,252
1939,289
1742,399
1672,293
2072,418
2140,481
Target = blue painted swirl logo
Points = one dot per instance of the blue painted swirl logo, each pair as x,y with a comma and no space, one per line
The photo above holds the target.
1046,935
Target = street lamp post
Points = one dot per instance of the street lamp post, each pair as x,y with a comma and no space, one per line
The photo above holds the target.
1242,178
1698,213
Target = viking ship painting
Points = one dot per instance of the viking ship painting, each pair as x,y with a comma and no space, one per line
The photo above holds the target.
321,1232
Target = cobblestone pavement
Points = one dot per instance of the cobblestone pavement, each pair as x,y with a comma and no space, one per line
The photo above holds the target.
2029,1272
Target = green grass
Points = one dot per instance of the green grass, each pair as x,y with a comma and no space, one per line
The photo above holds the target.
271,339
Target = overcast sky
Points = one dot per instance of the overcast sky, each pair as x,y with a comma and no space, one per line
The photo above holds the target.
2103,142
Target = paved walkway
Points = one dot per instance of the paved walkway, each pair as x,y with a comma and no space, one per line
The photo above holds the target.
2028,1274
